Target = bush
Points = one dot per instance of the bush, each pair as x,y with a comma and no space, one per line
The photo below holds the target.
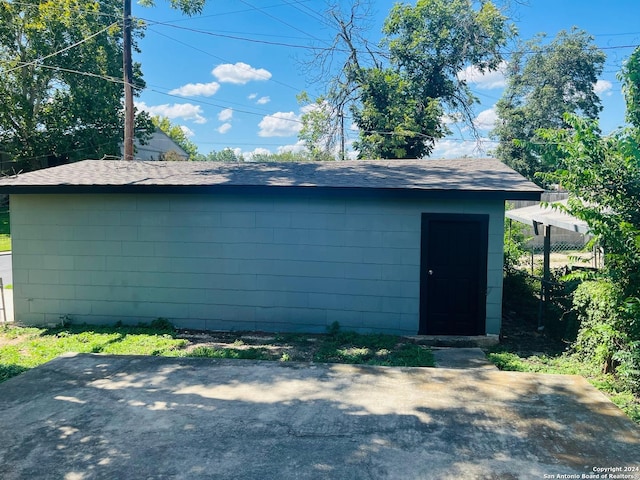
514,243
560,317
598,336
608,335
521,295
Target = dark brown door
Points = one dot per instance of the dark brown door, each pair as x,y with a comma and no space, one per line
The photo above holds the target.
453,274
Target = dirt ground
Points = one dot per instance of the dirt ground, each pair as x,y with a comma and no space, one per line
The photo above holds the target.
299,347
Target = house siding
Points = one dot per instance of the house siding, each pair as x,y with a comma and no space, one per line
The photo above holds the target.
223,262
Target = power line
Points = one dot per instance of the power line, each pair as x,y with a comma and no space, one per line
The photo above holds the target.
220,58
69,47
231,37
226,106
264,12
265,113
200,17
78,72
309,12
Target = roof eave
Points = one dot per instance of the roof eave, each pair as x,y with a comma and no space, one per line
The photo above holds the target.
267,189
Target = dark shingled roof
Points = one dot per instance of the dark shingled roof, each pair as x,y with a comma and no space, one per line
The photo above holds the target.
408,176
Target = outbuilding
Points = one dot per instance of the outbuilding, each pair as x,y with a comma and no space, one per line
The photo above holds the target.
403,246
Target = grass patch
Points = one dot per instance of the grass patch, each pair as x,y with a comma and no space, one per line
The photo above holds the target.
377,349
5,243
568,364
23,348
5,231
242,354
525,349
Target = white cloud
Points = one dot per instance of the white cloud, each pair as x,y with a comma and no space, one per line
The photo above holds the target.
224,128
602,86
195,89
225,114
263,100
185,111
452,148
239,73
296,147
280,124
187,131
487,80
252,96
486,119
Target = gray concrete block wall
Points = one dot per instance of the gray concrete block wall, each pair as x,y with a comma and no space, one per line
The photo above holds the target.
276,263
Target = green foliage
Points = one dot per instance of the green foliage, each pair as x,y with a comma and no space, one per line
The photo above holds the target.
162,324
236,353
177,134
543,83
398,93
287,156
320,126
375,349
569,364
521,297
401,108
609,331
50,111
433,40
394,121
333,329
33,346
514,243
188,7
226,155
602,175
600,335
630,77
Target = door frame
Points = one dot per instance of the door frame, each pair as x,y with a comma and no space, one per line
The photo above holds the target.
483,222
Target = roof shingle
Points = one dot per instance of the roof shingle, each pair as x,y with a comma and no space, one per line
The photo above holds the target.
477,175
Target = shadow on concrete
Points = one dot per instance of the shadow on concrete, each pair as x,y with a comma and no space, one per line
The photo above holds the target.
94,416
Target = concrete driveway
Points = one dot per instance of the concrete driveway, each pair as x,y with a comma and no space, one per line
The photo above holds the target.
92,416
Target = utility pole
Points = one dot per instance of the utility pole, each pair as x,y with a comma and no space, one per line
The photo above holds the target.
128,83
341,115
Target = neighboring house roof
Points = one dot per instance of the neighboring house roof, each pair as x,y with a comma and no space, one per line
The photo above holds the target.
549,214
156,147
442,178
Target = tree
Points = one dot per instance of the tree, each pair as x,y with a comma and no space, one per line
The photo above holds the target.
398,94
431,42
393,120
319,127
630,77
177,134
287,156
602,175
60,94
226,155
543,83
188,7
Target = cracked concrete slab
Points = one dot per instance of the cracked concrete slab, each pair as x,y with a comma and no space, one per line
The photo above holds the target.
95,416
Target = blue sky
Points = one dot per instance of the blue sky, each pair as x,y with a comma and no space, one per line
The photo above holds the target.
230,76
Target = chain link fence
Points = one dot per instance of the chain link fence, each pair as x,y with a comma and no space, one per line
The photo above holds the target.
567,255
552,291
